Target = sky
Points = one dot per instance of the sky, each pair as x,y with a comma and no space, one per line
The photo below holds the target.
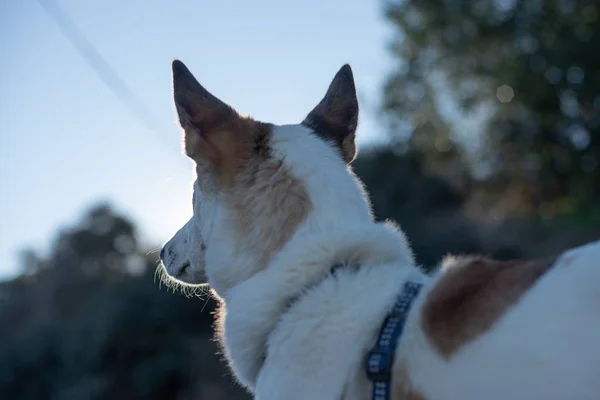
67,142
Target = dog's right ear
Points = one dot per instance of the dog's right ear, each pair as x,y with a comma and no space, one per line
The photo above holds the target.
209,123
335,118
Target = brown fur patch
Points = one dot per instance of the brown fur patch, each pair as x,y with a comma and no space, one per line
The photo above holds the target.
472,295
268,204
230,146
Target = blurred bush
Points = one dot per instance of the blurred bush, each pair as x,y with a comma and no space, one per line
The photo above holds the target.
90,322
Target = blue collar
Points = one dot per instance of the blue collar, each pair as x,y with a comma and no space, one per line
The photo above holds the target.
380,359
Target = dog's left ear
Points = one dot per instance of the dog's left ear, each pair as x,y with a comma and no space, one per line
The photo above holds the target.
335,118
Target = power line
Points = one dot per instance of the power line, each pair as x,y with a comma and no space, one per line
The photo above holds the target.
105,72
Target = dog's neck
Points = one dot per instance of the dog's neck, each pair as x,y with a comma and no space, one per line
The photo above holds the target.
251,309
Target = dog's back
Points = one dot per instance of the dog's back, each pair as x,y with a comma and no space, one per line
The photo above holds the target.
502,330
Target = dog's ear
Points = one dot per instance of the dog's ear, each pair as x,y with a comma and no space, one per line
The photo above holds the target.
211,127
335,118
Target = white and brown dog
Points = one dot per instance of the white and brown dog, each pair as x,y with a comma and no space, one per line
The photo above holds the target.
276,206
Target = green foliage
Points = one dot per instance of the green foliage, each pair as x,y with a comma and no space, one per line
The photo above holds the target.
534,65
427,208
82,324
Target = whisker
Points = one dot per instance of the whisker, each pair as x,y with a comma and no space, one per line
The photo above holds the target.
152,251
157,271
188,290
205,303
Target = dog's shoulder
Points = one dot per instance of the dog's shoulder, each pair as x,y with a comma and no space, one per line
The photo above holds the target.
471,294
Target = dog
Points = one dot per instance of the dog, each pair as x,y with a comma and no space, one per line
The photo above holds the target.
276,207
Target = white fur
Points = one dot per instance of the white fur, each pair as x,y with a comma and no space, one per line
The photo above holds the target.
254,307
338,229
546,347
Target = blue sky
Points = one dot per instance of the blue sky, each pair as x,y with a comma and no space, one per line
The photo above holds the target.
67,142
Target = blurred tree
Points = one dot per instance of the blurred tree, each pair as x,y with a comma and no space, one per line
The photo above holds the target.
427,208
534,66
90,322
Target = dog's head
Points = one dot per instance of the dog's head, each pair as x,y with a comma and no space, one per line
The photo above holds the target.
259,184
